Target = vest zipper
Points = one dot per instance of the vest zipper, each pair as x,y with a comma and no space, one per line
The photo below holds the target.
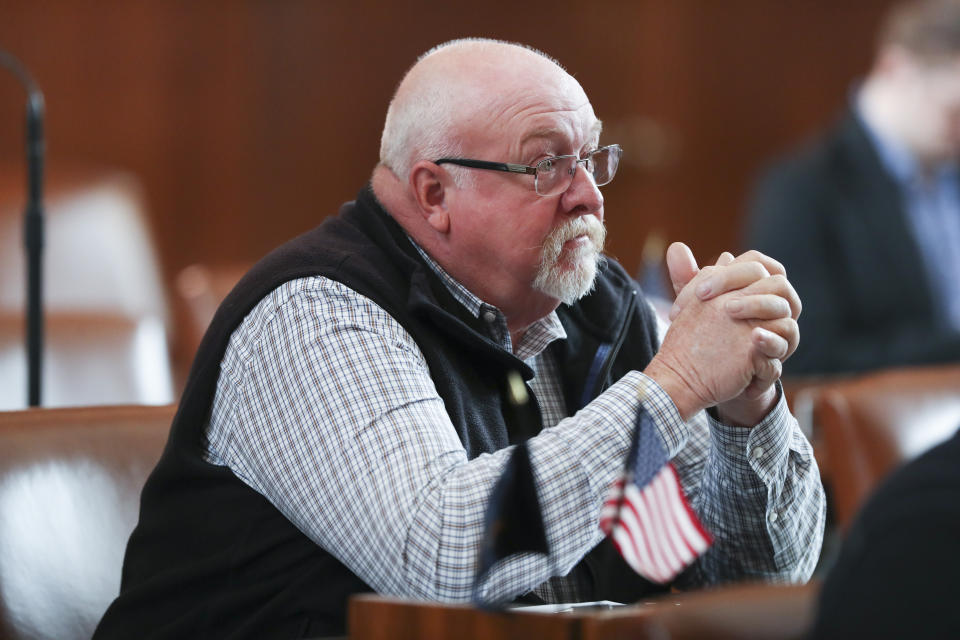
613,350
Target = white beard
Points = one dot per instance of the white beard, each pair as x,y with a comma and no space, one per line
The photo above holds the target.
568,276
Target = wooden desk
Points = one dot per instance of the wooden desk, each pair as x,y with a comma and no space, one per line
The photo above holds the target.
728,613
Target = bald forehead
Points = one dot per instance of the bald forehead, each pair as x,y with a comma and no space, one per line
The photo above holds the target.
484,56
487,80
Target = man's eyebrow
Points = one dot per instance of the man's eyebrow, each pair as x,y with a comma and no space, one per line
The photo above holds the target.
553,132
546,132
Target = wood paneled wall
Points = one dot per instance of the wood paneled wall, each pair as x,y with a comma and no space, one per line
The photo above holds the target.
251,121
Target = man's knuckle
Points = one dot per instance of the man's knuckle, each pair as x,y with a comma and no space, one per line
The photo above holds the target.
780,282
755,270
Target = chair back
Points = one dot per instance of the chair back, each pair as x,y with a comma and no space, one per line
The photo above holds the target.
872,424
70,482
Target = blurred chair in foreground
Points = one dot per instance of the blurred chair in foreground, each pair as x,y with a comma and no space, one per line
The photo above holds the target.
70,482
867,426
106,310
896,573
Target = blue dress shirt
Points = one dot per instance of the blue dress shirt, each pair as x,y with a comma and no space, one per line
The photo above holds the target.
931,200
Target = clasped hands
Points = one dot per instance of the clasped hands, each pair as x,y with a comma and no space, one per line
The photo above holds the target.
733,325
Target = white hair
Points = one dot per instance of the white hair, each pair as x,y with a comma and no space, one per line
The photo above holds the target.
423,126
420,127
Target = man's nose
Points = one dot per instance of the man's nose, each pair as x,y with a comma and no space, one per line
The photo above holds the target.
584,195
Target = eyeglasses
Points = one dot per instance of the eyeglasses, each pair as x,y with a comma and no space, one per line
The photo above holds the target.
553,176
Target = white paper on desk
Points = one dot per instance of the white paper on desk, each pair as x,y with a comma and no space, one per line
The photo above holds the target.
568,607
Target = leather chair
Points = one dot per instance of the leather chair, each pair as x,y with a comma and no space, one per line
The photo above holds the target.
70,482
101,278
869,425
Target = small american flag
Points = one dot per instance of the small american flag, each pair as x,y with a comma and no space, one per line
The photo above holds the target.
646,513
514,519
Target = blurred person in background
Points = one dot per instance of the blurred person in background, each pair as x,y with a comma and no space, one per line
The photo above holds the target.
866,219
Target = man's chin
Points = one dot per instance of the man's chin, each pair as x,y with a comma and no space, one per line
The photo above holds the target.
578,254
570,281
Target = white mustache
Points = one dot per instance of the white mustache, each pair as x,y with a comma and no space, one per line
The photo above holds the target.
588,225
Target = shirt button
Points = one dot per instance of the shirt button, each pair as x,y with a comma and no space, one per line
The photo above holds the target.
757,453
772,516
489,316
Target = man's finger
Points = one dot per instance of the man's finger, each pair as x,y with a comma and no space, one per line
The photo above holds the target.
764,306
729,278
681,265
773,266
777,285
725,258
768,371
711,282
786,329
770,344
688,293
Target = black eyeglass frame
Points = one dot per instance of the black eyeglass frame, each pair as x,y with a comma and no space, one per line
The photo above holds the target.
510,167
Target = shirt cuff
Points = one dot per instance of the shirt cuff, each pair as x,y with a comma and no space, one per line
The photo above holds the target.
759,450
673,430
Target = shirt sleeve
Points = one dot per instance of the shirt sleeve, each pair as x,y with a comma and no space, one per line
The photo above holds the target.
325,405
757,491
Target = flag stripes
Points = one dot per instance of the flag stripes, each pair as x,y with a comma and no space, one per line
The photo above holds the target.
653,526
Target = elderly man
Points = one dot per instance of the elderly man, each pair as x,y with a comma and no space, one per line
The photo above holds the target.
345,418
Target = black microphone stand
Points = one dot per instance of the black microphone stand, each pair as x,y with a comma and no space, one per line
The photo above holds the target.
32,226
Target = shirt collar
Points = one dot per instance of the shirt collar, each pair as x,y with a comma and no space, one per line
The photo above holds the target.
537,337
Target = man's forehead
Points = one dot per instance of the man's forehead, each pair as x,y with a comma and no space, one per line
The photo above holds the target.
554,132
500,92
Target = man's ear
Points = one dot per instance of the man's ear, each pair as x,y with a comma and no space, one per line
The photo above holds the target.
429,184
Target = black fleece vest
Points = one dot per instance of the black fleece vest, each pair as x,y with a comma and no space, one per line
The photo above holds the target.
210,557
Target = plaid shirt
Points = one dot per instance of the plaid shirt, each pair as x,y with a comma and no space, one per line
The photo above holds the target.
325,405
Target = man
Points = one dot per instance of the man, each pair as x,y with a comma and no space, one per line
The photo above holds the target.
867,219
346,418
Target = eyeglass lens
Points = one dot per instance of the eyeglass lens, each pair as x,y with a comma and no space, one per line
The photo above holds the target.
555,175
